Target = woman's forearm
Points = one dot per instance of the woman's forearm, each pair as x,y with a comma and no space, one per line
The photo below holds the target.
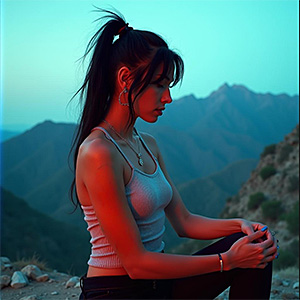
202,228
154,265
242,254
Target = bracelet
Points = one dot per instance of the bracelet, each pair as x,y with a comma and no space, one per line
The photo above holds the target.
221,262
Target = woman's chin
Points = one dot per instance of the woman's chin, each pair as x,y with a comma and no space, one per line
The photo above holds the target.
151,119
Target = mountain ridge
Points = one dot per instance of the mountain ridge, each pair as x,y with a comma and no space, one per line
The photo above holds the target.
35,163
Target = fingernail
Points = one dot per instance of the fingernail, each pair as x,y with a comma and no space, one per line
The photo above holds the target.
264,228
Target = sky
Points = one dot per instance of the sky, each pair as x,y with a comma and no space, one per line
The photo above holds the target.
252,43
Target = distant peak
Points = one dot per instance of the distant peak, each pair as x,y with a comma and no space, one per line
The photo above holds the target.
224,86
188,97
222,89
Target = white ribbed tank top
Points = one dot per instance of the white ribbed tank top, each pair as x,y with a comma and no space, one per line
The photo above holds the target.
147,196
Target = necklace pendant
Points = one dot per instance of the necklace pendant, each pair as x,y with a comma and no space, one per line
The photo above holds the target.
140,161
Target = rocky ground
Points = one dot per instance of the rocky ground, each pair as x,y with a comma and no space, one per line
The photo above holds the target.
30,283
55,288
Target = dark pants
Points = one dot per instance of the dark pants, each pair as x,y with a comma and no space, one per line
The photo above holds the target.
244,283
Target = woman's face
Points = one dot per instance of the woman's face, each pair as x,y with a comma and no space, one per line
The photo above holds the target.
151,103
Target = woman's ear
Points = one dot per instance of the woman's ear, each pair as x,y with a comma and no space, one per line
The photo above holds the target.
123,78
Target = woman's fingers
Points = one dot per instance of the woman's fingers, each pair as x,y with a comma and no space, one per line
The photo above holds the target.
270,251
255,236
266,244
262,265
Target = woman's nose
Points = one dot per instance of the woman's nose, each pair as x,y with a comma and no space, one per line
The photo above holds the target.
166,98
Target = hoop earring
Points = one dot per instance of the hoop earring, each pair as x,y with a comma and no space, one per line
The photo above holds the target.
124,91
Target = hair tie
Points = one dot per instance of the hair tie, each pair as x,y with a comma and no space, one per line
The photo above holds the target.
125,27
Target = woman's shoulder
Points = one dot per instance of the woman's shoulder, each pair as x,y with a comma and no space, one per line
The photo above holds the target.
96,147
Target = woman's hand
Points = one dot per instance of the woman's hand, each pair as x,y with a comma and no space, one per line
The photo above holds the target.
249,228
247,253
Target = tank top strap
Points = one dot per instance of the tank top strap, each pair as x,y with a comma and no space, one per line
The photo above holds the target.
145,145
108,136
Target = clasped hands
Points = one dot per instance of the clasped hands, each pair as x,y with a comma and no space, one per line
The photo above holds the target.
256,249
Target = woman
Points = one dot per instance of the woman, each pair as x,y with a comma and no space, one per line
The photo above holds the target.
125,191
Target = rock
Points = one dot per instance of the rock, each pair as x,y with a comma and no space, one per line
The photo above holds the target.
4,281
275,292
5,263
277,282
5,260
285,283
296,285
31,297
72,282
54,293
77,285
32,271
18,280
42,278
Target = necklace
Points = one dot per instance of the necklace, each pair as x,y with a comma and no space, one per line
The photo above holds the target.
138,153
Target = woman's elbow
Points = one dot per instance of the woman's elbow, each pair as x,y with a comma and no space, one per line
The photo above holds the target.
133,266
181,232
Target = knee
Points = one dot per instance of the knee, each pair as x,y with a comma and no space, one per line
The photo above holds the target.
234,237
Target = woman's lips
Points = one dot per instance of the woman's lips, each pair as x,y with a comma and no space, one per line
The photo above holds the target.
159,111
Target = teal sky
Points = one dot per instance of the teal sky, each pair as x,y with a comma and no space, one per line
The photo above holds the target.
253,43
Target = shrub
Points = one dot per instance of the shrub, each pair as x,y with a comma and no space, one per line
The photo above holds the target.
294,248
292,219
272,209
235,199
229,199
284,260
34,260
267,171
285,152
233,214
255,200
268,150
224,212
289,257
293,183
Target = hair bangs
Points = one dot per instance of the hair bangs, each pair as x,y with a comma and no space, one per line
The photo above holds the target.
172,63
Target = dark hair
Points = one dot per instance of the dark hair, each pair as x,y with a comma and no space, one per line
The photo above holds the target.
141,51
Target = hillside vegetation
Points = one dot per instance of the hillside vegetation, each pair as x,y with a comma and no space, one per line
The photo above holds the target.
271,196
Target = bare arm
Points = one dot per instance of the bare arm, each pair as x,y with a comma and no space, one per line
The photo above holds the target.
102,174
191,225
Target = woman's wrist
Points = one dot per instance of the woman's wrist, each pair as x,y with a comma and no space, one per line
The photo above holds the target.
240,222
226,261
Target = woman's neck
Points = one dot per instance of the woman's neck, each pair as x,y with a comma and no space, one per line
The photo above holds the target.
117,119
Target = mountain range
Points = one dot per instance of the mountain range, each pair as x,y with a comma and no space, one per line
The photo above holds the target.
197,138
233,123
210,146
